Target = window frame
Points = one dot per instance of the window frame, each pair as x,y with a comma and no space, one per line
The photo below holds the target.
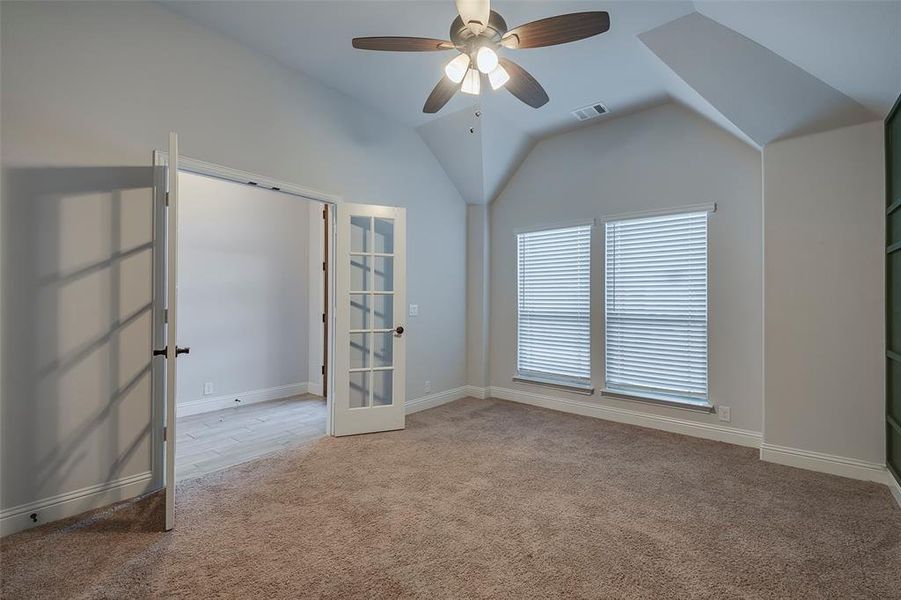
684,402
562,382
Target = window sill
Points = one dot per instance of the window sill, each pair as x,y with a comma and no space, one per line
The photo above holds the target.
575,388
684,403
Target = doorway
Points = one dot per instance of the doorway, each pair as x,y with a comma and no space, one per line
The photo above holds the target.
363,299
251,306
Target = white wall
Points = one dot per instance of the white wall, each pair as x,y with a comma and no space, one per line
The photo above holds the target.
662,157
478,283
824,219
88,91
243,286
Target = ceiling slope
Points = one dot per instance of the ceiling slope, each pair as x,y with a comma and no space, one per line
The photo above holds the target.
854,47
763,95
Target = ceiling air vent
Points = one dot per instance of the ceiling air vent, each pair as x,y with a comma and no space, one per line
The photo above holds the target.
589,112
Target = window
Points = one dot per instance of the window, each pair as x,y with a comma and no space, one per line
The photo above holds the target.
553,304
656,307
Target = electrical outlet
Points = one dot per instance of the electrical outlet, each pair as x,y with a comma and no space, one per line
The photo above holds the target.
207,388
414,310
725,413
428,386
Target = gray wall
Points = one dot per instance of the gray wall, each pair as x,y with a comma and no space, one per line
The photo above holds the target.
824,207
659,158
88,91
243,286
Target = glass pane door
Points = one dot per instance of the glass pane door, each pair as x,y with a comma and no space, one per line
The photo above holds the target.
370,297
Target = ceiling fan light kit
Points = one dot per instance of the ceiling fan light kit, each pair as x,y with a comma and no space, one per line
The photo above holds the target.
472,83
477,33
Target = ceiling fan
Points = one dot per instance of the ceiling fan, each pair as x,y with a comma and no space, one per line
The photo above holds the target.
477,33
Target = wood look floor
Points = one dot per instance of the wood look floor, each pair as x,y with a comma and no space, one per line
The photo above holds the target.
216,440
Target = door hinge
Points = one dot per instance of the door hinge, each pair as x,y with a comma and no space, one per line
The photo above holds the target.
323,317
165,433
165,315
323,265
167,198
325,212
323,369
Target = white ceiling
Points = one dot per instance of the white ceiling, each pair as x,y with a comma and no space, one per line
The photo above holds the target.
851,46
314,37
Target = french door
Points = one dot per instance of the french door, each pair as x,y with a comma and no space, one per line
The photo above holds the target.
893,291
370,297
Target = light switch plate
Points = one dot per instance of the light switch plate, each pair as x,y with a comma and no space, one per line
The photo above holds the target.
207,388
414,310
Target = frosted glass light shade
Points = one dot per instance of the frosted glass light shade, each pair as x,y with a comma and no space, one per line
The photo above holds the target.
486,59
498,77
471,82
456,69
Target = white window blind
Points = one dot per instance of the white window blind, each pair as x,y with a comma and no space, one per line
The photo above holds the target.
553,303
656,306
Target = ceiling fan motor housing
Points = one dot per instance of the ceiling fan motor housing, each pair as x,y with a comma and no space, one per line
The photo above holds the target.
468,42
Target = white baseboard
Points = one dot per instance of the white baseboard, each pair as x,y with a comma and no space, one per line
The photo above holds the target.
895,488
825,463
474,391
202,405
70,504
314,387
731,435
437,399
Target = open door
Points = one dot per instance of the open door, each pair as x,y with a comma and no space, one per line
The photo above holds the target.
171,351
370,297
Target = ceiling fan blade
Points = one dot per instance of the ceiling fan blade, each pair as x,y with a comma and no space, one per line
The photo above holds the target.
557,30
475,13
523,86
443,92
401,44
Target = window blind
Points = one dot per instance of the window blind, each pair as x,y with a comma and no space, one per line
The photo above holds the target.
553,304
656,305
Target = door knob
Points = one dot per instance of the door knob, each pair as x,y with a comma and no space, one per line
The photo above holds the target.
399,331
185,350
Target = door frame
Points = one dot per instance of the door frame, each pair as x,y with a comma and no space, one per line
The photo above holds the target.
200,167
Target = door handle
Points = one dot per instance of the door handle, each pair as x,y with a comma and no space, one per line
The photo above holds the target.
399,331
185,350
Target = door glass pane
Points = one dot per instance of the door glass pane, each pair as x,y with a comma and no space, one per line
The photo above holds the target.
384,236
383,350
383,276
382,387
383,313
359,350
359,389
360,234
360,276
359,311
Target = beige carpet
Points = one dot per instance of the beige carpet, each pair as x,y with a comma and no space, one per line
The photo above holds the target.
484,499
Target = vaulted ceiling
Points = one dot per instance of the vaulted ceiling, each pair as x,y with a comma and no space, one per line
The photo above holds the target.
763,70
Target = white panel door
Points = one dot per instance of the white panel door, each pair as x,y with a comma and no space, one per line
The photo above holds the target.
370,297
171,351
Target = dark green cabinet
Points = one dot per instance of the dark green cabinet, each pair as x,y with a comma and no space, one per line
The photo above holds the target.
893,290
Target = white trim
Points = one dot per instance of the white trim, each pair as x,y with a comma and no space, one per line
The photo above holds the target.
72,503
200,167
437,399
474,391
202,405
824,463
730,435
708,207
554,226
586,389
895,488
